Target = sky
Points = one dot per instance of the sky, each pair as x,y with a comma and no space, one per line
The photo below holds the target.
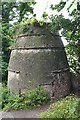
44,5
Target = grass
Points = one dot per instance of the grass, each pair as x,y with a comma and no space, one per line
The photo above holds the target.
68,107
28,100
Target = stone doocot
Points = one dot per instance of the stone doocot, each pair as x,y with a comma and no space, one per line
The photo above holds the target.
39,59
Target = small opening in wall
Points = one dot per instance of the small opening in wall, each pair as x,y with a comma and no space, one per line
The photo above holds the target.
52,95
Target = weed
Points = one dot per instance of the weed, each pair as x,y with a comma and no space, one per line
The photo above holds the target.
64,108
27,100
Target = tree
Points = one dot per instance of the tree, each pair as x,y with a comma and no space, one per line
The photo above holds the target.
11,11
70,30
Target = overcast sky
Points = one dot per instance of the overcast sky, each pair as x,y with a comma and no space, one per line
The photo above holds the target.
44,5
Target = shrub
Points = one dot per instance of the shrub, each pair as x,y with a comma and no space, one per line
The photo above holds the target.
4,96
27,100
36,97
68,107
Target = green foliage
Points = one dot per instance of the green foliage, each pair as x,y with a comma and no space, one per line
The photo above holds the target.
65,108
11,11
58,22
70,30
44,17
4,96
6,37
59,6
25,8
22,27
37,96
26,100
7,41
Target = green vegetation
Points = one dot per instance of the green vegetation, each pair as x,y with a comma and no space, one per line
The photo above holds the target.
11,11
68,107
26,100
70,29
22,27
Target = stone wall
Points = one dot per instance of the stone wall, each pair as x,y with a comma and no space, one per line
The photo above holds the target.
75,80
35,59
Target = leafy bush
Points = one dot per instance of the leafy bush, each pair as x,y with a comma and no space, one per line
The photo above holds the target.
36,97
4,96
27,100
68,107
22,27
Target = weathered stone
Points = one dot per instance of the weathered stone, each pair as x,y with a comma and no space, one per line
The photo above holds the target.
75,84
37,58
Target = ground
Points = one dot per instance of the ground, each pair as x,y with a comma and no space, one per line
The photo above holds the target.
24,114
